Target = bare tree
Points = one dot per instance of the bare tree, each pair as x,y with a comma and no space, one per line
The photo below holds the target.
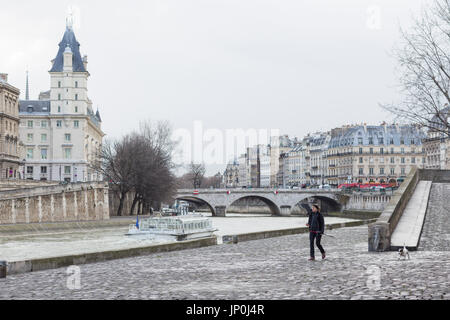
424,62
196,172
113,161
140,162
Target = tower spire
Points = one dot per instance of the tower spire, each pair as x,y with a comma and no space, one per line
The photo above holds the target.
27,92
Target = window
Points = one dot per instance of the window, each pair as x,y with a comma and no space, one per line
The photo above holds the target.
381,140
30,170
413,160
66,169
392,160
76,84
392,150
402,141
29,137
59,96
360,140
59,123
360,150
370,140
59,108
44,170
67,153
43,137
403,171
59,84
76,96
381,151
392,171
67,137
391,141
403,160
361,171
402,150
30,123
381,170
30,153
44,154
371,171
360,160
76,109
76,123
371,150
44,124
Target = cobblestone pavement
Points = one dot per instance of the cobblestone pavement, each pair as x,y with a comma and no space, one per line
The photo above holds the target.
436,230
273,268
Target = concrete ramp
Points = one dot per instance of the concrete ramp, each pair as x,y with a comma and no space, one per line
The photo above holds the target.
410,225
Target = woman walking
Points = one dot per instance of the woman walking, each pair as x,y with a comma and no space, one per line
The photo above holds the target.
316,226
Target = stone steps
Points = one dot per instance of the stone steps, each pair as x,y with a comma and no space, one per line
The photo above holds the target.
409,227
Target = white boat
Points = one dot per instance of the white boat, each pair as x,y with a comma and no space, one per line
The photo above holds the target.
184,227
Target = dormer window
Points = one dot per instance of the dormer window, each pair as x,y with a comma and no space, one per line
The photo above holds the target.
30,109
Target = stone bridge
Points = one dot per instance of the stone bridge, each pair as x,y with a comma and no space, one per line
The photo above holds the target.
280,202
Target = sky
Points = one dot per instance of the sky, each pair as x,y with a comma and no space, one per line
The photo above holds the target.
296,66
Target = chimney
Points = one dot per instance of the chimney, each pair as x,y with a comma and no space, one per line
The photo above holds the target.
4,77
85,62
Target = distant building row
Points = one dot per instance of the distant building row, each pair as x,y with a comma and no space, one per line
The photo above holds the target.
354,153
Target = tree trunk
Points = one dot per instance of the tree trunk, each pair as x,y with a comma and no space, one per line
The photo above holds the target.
135,200
121,201
139,207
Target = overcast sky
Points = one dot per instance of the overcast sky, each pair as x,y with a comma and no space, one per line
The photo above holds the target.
294,65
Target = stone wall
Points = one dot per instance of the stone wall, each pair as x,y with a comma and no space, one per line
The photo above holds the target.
55,203
367,202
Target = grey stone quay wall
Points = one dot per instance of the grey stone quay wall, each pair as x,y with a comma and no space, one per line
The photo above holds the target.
380,232
55,203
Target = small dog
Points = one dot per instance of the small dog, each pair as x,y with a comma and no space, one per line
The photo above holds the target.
403,253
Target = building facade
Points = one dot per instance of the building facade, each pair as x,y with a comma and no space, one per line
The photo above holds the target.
60,131
380,154
10,146
231,175
437,144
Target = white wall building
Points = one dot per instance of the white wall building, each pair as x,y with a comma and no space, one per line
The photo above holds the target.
61,132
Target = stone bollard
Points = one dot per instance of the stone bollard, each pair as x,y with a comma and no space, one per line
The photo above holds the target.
3,265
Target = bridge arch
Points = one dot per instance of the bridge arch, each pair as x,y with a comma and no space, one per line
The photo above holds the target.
197,200
326,203
274,208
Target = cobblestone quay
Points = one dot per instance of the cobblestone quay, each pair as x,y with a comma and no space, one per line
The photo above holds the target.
274,268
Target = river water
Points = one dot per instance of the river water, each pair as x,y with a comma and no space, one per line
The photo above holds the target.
24,247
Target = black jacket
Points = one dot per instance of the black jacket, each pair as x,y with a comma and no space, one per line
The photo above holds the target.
315,221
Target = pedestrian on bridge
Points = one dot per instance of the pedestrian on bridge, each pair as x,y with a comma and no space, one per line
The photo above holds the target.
316,224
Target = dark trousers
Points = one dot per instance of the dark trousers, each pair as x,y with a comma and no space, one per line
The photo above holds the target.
318,237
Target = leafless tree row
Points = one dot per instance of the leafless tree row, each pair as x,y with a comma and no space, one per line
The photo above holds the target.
141,163
424,62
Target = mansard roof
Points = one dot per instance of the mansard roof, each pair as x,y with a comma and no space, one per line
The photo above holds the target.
379,135
34,106
70,40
